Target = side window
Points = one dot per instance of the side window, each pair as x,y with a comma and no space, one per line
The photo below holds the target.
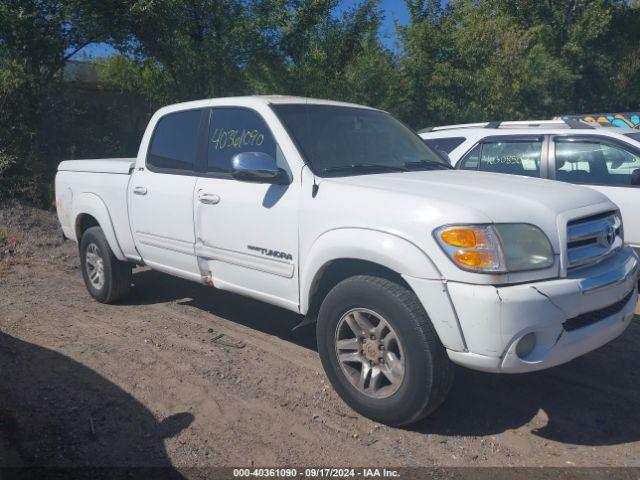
594,163
512,157
446,145
233,131
174,144
471,159
620,163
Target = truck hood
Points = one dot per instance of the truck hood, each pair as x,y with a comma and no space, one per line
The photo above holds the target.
499,197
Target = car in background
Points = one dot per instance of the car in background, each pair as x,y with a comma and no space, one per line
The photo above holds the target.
604,158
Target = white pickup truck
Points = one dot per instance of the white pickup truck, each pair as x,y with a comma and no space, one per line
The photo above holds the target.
342,214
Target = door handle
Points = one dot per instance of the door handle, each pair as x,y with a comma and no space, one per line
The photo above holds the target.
209,198
140,190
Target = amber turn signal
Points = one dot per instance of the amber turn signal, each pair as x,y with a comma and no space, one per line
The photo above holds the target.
464,237
459,237
474,258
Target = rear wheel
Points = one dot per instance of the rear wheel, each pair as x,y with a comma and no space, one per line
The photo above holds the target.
107,279
380,351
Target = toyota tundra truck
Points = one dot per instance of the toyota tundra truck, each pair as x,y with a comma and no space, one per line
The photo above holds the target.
340,213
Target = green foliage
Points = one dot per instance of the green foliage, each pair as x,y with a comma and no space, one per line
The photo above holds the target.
37,38
469,60
6,162
144,77
201,47
516,59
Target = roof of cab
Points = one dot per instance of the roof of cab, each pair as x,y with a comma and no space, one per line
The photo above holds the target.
265,99
279,99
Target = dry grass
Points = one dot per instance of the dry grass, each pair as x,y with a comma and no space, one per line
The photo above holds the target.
9,246
27,235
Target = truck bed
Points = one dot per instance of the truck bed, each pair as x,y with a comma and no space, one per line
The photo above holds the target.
122,166
99,187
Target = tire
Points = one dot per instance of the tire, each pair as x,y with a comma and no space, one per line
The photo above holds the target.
427,371
115,275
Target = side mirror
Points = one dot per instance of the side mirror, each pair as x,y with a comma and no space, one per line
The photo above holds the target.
635,177
444,155
257,167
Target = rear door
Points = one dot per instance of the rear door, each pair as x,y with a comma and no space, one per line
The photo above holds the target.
605,165
246,233
161,194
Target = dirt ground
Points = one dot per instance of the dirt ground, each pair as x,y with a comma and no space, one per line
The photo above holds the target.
183,375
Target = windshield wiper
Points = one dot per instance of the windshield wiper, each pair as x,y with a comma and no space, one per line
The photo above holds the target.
365,167
429,165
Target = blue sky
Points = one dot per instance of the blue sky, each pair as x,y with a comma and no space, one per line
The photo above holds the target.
394,10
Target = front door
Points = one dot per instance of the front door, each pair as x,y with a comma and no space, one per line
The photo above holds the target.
246,233
161,195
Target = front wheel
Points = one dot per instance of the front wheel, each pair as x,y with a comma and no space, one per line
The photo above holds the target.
107,279
380,351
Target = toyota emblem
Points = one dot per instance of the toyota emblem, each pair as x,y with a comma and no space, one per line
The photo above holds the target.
611,235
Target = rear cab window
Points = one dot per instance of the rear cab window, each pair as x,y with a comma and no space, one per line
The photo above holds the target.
174,144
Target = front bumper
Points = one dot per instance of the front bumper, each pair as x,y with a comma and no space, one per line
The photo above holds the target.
569,316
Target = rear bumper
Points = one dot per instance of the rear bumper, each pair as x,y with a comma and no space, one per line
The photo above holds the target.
569,317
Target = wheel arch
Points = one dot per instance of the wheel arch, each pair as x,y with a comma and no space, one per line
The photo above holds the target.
340,253
89,210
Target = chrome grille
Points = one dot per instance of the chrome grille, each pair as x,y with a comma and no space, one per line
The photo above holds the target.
592,239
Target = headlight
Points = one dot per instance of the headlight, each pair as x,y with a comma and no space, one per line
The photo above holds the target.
500,248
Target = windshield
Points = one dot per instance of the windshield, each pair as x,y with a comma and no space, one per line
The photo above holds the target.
635,136
343,141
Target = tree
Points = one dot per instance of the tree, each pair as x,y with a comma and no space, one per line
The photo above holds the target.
316,52
201,47
218,48
596,40
517,59
37,38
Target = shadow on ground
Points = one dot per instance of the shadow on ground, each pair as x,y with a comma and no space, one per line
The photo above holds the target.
151,287
593,400
55,411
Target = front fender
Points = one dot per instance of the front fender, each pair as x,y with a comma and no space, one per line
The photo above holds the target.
91,204
382,248
396,254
